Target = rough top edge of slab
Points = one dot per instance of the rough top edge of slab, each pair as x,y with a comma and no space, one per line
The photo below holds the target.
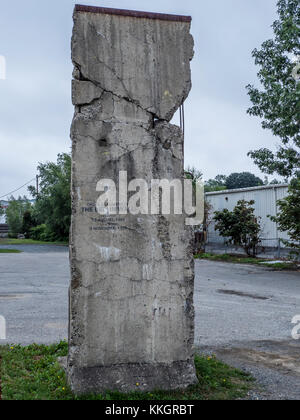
132,13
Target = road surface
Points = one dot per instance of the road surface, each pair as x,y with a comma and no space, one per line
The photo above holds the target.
243,312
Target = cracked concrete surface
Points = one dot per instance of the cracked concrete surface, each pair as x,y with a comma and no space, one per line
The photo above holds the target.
141,60
131,311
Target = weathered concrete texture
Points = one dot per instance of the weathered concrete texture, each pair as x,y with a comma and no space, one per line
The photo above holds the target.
131,297
146,61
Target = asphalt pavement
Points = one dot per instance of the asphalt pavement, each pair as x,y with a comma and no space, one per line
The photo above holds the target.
243,313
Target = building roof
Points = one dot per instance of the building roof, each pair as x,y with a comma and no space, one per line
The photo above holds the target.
238,190
132,13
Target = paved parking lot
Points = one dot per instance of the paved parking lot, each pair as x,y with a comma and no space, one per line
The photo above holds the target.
34,294
244,315
243,312
236,303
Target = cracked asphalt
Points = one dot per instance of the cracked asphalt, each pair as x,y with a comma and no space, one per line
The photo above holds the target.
243,313
34,294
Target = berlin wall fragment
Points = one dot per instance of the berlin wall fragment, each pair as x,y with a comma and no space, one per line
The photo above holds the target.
132,275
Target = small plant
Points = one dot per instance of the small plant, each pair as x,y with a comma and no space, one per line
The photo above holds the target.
240,227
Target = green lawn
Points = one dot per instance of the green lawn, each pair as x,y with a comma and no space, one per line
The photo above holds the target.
9,251
247,260
29,242
32,373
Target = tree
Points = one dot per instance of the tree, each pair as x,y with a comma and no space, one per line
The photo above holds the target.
193,174
278,102
233,181
240,227
274,181
288,219
217,184
53,201
28,223
242,180
14,214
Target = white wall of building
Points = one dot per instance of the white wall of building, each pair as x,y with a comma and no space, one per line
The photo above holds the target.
265,198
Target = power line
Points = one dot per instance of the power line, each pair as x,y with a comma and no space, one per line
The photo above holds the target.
5,195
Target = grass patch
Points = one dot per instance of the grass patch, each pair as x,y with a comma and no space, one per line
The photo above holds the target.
236,259
10,251
29,242
230,258
283,266
32,373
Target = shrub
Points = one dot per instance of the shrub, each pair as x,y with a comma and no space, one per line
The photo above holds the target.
240,227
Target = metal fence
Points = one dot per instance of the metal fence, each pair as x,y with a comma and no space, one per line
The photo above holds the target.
267,248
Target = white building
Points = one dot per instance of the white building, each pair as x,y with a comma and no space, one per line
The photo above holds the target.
265,198
4,205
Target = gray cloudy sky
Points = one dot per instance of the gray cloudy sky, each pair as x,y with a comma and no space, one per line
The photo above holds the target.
35,104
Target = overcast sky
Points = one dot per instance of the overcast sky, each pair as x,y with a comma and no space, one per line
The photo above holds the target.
35,100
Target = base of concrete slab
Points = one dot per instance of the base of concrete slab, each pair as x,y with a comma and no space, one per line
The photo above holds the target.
132,377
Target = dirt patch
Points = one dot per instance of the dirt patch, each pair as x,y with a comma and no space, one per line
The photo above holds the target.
283,360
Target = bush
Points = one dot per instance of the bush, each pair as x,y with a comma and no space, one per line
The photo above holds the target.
43,233
13,236
241,227
37,232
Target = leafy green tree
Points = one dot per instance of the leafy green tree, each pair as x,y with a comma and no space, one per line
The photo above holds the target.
242,180
216,184
240,227
193,173
28,222
275,181
278,102
233,181
53,201
288,219
15,213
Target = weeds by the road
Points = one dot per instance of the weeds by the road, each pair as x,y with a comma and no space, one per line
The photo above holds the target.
235,259
9,251
33,373
29,242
